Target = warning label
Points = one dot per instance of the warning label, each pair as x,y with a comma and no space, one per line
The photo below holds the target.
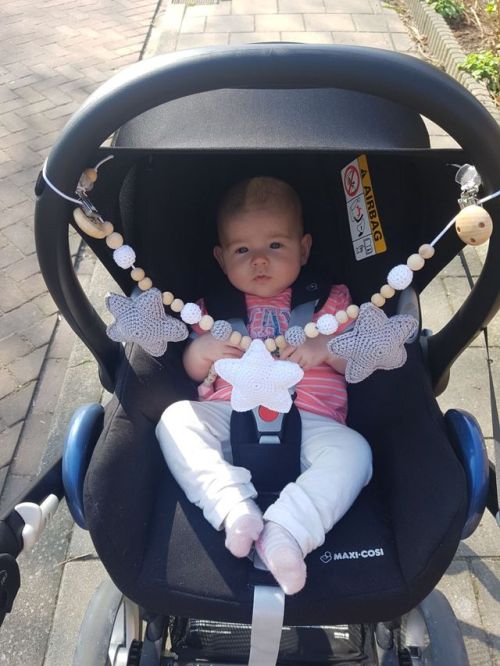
366,230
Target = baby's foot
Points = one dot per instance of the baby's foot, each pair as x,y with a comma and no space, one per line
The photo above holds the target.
283,556
243,526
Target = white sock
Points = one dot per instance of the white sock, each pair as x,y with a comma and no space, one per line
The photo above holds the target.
283,556
243,524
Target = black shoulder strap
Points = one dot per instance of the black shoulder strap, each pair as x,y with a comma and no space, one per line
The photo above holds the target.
310,286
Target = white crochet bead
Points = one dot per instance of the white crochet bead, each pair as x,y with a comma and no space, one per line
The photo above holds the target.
295,336
124,256
191,313
400,277
221,330
327,324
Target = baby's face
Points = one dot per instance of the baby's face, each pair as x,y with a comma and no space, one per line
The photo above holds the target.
262,251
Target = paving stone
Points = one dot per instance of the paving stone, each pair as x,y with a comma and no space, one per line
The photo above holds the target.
32,445
12,348
202,39
11,296
8,443
377,40
308,37
483,542
300,6
403,42
193,24
253,37
468,387
9,255
436,308
18,319
221,24
370,22
486,579
28,367
222,8
46,304
63,342
15,406
49,386
81,545
40,333
457,289
458,588
8,383
33,286
24,268
348,6
252,6
333,22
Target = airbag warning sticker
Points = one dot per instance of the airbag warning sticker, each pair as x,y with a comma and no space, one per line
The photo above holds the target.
366,230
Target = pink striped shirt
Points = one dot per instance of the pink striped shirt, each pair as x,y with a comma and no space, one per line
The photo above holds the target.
322,390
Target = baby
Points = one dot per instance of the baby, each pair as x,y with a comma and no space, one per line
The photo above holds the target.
262,247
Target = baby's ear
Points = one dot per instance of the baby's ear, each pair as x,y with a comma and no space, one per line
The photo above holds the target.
219,257
305,248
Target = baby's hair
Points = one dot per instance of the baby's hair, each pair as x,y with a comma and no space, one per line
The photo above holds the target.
259,193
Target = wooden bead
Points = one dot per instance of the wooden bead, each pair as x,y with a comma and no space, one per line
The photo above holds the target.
145,284
167,297
89,225
270,344
415,262
281,342
310,330
114,240
352,311
91,174
235,338
341,316
137,274
474,225
108,228
206,322
245,342
378,300
176,305
426,251
387,291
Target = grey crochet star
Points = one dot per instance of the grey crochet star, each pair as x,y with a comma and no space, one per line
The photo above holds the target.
143,320
375,343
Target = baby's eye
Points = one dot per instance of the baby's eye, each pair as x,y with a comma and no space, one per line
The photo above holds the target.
241,250
275,245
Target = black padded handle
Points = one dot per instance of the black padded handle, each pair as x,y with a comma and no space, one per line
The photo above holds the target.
402,79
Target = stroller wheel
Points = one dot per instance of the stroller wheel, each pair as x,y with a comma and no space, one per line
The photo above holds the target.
430,635
111,630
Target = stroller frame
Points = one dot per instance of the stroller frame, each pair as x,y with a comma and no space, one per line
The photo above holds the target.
398,78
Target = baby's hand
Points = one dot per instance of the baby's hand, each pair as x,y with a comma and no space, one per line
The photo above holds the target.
210,349
310,354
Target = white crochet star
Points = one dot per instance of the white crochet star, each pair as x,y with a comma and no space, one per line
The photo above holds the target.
143,320
258,379
375,343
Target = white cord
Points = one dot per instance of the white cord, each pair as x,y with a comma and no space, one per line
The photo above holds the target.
450,223
57,191
53,187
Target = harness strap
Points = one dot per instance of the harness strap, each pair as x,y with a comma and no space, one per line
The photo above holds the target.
267,624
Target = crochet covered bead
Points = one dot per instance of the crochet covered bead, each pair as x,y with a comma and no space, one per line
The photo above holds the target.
295,336
221,330
124,256
191,313
327,324
400,277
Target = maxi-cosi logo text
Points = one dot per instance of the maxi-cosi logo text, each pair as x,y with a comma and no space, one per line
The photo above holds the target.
328,556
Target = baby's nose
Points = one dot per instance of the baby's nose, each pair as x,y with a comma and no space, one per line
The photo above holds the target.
259,258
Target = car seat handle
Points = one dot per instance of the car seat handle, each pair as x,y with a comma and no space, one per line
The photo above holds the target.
397,77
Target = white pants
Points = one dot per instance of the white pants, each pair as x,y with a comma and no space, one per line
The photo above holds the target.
336,463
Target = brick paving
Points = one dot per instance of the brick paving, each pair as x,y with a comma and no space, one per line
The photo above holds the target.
53,54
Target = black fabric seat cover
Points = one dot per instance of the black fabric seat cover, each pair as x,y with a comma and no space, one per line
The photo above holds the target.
380,560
